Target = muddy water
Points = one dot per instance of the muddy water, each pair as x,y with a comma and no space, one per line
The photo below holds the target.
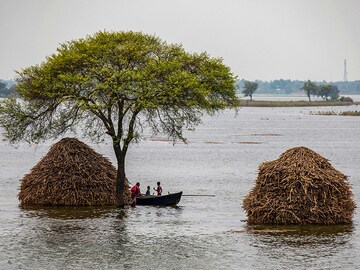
222,158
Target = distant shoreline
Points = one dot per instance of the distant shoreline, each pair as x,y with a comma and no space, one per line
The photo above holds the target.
301,103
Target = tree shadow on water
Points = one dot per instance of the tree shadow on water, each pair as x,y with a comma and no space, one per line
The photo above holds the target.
300,230
66,237
68,213
294,236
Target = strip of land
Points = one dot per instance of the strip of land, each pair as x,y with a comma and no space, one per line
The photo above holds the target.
302,103
345,113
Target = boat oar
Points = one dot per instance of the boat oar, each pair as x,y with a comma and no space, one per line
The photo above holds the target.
199,195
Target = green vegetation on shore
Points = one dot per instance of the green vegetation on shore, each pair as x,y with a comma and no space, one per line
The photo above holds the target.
286,87
301,103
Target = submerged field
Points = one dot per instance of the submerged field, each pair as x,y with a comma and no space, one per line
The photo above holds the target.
222,158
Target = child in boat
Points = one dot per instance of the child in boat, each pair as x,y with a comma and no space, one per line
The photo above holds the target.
147,191
158,189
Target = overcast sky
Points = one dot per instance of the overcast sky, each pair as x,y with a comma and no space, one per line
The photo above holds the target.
258,39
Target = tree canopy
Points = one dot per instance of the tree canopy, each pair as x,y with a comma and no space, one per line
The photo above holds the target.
249,88
117,83
310,88
329,92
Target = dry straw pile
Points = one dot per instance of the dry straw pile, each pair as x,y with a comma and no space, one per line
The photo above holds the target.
71,174
300,187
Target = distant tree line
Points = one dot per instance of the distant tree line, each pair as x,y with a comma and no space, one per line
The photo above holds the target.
328,92
285,87
295,87
7,89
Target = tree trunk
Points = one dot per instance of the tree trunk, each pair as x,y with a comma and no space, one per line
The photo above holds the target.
120,182
120,176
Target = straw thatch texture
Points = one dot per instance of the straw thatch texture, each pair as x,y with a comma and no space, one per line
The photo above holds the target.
70,174
300,187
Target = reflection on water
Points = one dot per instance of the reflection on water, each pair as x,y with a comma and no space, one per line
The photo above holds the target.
301,230
82,238
202,232
307,247
68,212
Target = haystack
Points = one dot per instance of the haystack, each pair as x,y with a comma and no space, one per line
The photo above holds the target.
300,187
70,174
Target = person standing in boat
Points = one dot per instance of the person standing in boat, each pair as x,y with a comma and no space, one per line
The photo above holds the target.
158,189
135,190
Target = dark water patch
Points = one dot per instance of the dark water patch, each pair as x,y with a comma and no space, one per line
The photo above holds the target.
70,212
297,229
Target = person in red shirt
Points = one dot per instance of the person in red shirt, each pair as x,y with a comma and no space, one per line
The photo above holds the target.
135,190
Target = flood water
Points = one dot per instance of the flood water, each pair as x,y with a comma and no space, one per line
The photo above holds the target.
221,159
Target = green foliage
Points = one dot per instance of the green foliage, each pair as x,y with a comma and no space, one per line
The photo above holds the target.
310,88
119,84
249,88
328,92
108,80
282,86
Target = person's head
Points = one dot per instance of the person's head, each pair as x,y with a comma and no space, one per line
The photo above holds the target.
148,187
158,183
138,184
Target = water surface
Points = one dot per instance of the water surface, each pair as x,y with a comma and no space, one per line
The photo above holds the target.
222,158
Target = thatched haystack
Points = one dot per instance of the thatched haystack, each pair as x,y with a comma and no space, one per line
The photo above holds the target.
300,187
70,174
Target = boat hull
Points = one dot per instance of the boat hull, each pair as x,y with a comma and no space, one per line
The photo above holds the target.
163,200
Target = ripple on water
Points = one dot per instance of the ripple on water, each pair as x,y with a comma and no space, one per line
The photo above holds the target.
203,232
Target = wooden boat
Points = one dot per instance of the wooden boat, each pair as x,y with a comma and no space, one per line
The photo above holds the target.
162,200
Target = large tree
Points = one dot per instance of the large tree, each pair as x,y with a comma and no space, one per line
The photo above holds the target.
329,92
117,83
310,88
249,88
